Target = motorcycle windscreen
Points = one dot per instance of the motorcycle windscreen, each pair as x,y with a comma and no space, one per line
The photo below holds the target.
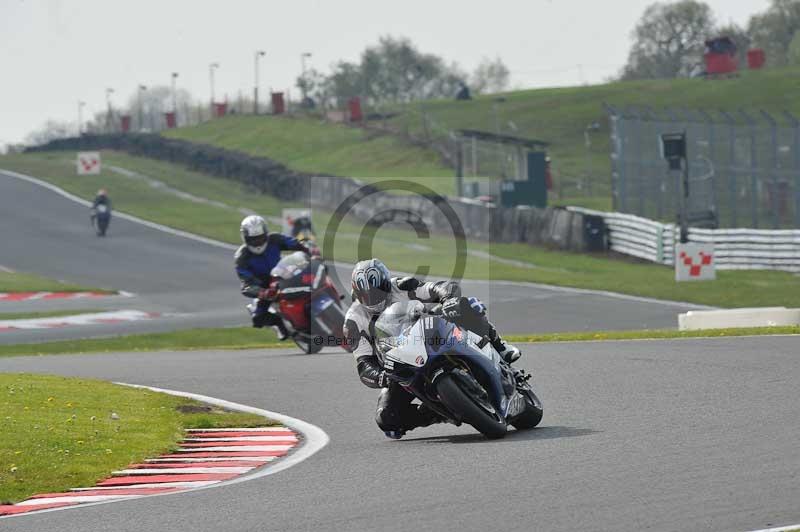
327,319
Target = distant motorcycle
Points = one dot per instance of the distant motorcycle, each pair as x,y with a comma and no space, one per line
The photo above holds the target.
100,218
455,372
308,302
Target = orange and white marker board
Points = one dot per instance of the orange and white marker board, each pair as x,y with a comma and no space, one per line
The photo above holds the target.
88,163
694,262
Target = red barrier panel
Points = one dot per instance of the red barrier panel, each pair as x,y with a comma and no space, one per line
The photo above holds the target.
354,106
125,123
220,109
278,107
720,63
171,122
756,58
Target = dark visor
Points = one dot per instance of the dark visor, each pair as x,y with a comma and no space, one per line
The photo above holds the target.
374,296
256,241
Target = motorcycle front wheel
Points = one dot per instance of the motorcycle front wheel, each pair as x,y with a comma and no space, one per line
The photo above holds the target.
532,414
473,410
307,347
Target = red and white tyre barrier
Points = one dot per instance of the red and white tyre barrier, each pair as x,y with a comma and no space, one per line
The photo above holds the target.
46,296
97,318
204,458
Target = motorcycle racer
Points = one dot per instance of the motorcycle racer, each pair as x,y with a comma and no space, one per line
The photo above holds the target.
259,253
374,290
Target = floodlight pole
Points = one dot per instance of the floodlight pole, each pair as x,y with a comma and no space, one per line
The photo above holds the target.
685,201
258,54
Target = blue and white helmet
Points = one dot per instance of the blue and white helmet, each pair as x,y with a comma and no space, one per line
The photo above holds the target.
254,234
372,284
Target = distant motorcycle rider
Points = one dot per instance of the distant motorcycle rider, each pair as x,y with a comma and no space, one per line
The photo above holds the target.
374,290
259,253
101,212
101,199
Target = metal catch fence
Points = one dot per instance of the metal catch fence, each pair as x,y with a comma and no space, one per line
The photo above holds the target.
744,166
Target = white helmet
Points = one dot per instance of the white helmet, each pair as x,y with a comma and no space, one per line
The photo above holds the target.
254,234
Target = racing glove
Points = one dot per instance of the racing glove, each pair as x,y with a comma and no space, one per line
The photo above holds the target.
268,294
408,284
451,309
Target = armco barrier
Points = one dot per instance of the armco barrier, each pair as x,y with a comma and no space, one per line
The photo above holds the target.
734,249
558,228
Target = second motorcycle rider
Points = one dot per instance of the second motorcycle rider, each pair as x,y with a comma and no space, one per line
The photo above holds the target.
259,253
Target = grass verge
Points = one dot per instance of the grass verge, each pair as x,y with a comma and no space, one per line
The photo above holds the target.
211,338
27,282
59,433
401,249
658,334
313,146
249,338
43,314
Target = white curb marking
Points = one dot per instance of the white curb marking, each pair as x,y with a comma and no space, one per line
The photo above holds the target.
185,484
95,318
215,459
789,528
76,499
231,448
181,471
244,438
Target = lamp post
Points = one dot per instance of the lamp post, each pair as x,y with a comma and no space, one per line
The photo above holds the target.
142,88
109,112
594,126
174,94
211,68
80,117
259,54
303,57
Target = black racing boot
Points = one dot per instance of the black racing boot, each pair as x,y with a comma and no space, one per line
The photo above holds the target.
510,353
280,330
427,416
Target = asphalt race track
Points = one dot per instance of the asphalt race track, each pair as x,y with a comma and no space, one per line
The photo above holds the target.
643,435
192,284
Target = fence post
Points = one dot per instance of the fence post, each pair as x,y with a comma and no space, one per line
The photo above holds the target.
796,148
660,244
637,150
772,188
753,169
614,129
712,151
733,207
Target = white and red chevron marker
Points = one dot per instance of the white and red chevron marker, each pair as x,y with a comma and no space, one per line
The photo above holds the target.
32,296
172,473
57,322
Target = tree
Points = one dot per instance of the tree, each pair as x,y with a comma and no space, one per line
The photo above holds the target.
51,130
155,101
774,29
793,56
669,40
392,71
312,85
490,76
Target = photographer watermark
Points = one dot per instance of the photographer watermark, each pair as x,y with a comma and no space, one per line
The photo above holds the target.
376,205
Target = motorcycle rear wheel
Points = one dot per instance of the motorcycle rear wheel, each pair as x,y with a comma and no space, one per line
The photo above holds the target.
460,402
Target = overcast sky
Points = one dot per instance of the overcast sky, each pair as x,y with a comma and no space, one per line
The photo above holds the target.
57,52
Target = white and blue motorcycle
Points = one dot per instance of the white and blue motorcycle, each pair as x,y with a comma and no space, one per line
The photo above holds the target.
455,372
